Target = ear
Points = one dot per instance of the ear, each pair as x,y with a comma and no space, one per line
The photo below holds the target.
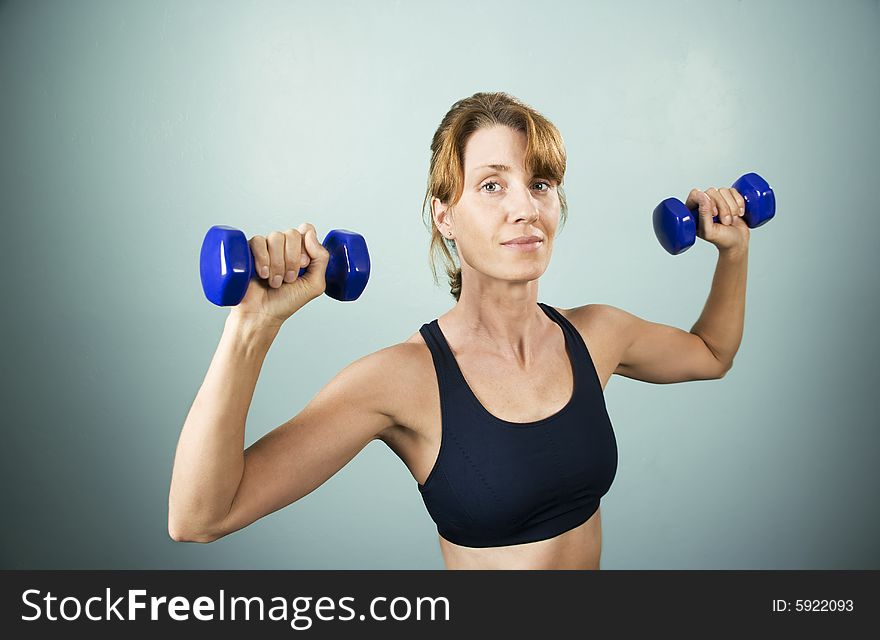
442,216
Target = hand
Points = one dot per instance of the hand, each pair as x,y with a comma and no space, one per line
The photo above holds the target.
277,291
731,232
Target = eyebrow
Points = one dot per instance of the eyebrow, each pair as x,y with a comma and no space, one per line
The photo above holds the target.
496,167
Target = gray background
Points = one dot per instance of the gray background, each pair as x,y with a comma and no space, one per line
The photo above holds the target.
128,129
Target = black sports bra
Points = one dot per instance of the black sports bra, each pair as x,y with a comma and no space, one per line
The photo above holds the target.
498,483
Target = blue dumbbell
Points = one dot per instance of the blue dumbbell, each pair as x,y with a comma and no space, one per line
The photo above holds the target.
227,266
676,226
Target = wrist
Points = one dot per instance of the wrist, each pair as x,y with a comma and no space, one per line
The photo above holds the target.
253,327
734,253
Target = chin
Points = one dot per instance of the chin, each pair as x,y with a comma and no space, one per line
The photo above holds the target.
528,276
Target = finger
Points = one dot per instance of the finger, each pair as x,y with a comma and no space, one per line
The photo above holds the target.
721,208
318,254
293,252
699,199
305,229
276,258
740,201
705,229
705,209
731,205
260,252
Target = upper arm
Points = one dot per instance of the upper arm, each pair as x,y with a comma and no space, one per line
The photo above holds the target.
660,353
295,458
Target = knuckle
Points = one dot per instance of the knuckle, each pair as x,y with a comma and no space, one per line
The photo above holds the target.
293,240
306,228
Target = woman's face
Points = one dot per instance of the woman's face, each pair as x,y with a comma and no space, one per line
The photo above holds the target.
500,204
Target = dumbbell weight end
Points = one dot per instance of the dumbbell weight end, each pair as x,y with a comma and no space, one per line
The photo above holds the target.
676,226
226,265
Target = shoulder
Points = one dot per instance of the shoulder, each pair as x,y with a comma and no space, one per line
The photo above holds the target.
591,313
605,330
398,362
394,375
415,362
595,321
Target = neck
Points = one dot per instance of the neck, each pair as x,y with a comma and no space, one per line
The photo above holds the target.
503,318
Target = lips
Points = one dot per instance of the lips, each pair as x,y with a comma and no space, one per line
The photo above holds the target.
523,240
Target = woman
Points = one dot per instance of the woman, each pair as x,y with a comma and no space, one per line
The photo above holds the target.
497,406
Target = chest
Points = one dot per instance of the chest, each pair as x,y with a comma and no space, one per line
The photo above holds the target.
497,483
504,391
518,394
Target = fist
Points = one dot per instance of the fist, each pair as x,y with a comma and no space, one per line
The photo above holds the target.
728,205
278,290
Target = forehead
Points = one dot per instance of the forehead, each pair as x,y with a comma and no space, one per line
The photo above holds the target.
495,145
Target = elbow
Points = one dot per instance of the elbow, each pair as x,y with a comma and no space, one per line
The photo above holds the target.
180,533
724,367
190,525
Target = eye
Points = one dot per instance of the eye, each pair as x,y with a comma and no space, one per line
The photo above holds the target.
493,182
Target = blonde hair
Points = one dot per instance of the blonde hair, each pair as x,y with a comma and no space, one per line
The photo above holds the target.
545,156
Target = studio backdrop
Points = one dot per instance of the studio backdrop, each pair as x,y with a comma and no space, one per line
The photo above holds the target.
128,129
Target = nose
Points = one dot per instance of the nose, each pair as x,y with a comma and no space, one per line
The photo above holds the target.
526,211
527,217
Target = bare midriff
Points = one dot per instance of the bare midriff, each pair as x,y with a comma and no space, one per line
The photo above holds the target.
578,548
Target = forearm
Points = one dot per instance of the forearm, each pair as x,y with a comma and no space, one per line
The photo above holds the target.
209,461
721,323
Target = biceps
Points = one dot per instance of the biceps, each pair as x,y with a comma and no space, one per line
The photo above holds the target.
663,354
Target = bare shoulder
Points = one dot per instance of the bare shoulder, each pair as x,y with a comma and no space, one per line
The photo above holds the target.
595,322
397,374
603,328
410,355
394,360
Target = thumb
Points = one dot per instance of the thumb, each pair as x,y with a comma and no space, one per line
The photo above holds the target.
705,211
699,199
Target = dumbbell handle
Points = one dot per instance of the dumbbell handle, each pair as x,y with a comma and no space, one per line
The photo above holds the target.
226,265
675,225
760,201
